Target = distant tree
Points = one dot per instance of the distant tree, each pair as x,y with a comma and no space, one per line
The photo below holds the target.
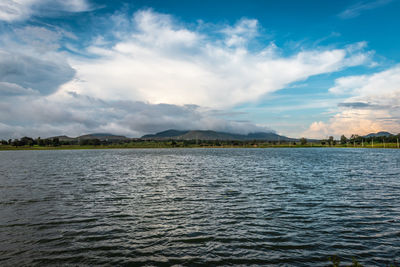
303,141
16,142
354,137
330,140
95,142
343,140
83,142
40,142
26,141
4,142
9,141
48,142
56,141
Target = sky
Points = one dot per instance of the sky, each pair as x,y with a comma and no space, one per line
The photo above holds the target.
298,68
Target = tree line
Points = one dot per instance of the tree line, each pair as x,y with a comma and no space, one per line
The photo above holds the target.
356,139
55,142
330,141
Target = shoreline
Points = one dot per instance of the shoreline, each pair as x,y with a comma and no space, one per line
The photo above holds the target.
92,147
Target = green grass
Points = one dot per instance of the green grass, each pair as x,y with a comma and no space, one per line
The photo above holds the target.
166,144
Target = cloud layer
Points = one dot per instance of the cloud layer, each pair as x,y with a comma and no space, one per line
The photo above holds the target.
373,105
148,72
160,61
18,10
356,9
76,114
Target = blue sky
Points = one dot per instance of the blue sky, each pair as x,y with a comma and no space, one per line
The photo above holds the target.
300,68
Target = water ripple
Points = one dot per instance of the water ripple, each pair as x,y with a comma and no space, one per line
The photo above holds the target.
199,207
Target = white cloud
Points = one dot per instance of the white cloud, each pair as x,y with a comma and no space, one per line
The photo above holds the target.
11,10
355,10
154,74
18,10
350,122
381,85
373,105
348,85
160,61
241,33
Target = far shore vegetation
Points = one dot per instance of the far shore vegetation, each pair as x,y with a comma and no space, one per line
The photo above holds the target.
355,141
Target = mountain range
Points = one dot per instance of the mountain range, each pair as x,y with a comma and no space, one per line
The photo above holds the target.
194,135
214,135
100,136
378,134
181,135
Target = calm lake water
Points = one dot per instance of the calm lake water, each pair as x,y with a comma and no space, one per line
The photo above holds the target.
292,207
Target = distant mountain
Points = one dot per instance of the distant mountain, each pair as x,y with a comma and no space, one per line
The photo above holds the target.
167,133
100,136
213,135
182,135
378,134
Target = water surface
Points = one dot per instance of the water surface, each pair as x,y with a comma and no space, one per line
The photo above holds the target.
199,206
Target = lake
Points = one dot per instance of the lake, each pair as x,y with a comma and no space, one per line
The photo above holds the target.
271,206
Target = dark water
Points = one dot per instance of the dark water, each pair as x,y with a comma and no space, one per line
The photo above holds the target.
288,207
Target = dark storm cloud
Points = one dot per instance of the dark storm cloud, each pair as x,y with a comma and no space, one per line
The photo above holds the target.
22,74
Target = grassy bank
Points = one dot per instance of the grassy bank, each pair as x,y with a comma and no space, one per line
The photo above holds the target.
169,144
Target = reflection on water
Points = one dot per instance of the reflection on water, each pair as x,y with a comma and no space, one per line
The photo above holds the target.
199,206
